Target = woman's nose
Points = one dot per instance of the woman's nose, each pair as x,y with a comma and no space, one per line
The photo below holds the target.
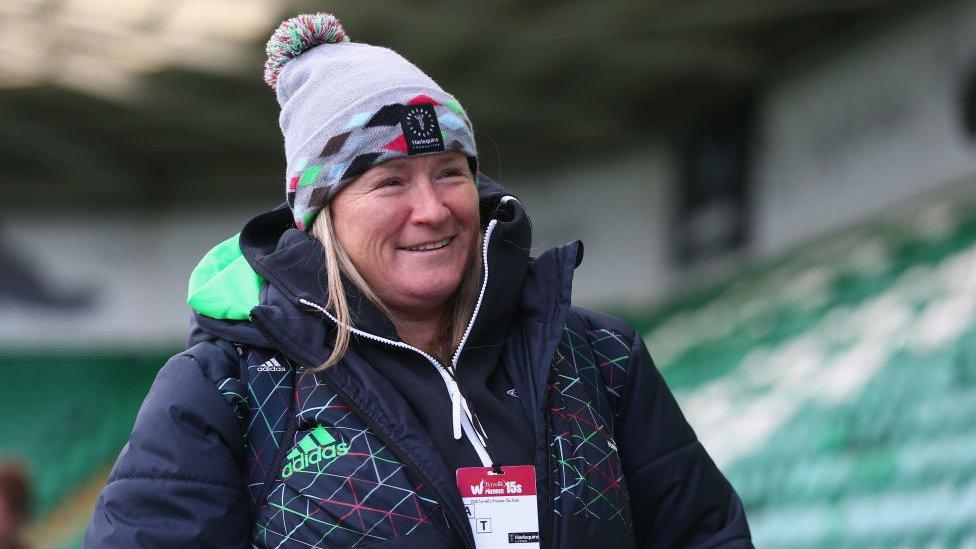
428,204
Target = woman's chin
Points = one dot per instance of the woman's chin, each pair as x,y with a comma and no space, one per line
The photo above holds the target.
425,291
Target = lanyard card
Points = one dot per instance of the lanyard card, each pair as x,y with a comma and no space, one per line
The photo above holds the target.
501,507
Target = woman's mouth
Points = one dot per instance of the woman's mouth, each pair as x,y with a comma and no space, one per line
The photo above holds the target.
428,246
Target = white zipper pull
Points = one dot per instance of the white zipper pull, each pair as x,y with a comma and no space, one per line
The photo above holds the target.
455,392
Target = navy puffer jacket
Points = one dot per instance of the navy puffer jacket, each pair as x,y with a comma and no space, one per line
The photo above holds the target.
617,465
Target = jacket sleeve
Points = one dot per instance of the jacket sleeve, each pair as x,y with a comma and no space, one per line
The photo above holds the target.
178,481
678,495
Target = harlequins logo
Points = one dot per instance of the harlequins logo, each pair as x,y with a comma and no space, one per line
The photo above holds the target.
421,130
313,448
421,122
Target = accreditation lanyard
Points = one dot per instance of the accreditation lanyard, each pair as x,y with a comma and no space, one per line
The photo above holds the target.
465,420
500,503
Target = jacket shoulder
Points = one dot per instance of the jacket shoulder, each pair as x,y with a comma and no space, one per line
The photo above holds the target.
219,361
216,359
612,345
186,403
179,478
595,320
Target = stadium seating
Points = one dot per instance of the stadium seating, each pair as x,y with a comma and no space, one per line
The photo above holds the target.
836,386
67,416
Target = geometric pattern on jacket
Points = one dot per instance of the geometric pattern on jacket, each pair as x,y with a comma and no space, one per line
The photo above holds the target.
586,377
360,495
270,390
368,495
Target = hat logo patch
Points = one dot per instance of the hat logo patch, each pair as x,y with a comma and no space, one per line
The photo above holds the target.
421,130
422,127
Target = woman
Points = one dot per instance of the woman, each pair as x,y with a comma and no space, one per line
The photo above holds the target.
374,358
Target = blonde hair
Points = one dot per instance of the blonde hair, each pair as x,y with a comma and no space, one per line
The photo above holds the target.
337,264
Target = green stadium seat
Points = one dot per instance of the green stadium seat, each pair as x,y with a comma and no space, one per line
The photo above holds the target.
892,463
67,416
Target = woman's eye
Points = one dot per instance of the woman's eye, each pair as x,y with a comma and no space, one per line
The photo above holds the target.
452,172
391,183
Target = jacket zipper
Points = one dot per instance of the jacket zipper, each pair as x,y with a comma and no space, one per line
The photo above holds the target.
550,476
460,412
457,405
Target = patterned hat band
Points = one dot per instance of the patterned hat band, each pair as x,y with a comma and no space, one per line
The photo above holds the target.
421,125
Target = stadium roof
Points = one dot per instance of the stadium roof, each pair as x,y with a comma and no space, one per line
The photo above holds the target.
163,100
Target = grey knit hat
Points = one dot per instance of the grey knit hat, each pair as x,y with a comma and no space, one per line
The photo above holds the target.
346,107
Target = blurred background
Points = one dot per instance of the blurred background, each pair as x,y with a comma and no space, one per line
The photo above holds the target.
780,194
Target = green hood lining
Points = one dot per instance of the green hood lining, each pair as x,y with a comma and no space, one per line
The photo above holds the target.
223,285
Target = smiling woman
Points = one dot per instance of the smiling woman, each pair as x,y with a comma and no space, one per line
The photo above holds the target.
406,234
378,360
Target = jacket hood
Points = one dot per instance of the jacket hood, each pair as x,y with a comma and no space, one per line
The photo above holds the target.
223,285
271,263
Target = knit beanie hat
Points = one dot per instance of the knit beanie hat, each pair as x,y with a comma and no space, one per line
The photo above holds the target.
346,107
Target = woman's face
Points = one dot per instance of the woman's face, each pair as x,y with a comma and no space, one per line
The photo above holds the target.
409,226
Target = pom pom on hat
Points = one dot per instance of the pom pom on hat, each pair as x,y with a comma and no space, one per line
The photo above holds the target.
297,35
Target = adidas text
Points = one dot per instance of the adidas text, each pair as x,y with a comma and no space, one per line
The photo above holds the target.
315,456
271,366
